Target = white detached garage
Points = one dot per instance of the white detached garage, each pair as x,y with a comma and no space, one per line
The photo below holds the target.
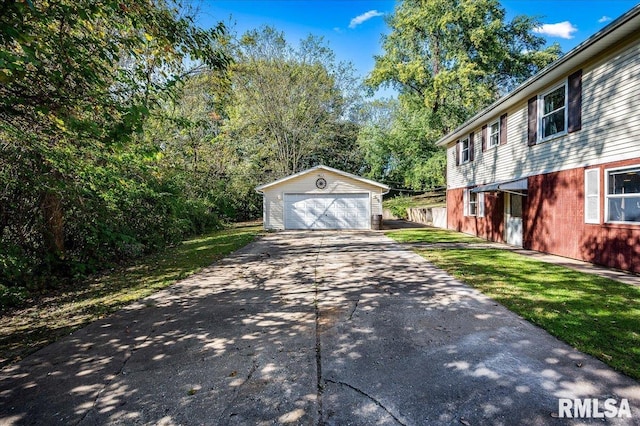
322,198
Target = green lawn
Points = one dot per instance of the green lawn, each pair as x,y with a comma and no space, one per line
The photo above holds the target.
596,315
432,236
49,317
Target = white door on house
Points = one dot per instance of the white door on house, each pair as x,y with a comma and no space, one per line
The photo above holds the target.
513,219
327,211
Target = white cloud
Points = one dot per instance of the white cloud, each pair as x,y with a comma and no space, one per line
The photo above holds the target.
604,19
561,29
364,17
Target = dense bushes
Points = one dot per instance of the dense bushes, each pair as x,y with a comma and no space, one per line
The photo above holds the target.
82,185
109,214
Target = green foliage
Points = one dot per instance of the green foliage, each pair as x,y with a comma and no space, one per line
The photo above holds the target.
399,149
290,105
448,59
340,150
430,173
123,128
455,57
79,187
191,136
12,296
399,205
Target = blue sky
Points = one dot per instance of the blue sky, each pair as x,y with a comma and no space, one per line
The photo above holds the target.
353,28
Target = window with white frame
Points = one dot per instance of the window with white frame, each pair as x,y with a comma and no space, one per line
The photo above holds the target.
553,112
623,195
465,154
473,203
494,134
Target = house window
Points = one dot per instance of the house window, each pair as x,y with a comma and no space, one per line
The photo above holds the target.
465,153
623,195
473,203
494,134
553,117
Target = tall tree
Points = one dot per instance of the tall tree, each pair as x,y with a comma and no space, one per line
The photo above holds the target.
195,151
448,59
289,102
398,147
79,78
453,57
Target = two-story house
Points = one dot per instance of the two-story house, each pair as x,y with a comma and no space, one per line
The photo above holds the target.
554,166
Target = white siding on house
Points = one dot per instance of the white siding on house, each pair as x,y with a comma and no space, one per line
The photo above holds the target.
610,129
306,184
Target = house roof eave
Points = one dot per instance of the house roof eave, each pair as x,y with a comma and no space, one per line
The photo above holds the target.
610,35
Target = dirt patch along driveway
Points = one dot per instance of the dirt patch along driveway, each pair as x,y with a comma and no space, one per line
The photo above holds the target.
309,328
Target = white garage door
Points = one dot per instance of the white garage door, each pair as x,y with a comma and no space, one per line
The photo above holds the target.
326,211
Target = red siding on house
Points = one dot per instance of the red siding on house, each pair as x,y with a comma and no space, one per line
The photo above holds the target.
554,213
553,220
614,247
491,226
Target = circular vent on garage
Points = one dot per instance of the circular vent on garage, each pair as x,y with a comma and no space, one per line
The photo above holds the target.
321,183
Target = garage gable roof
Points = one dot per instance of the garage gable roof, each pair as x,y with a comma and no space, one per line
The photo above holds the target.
325,168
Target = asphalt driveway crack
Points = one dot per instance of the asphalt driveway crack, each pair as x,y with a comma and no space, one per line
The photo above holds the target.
366,395
121,371
223,416
354,310
316,303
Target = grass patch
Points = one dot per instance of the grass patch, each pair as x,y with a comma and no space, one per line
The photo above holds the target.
596,315
432,236
51,316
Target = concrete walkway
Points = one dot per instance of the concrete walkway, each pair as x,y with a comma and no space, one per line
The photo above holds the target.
317,328
589,268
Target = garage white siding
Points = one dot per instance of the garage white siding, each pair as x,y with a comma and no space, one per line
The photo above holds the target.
327,211
345,202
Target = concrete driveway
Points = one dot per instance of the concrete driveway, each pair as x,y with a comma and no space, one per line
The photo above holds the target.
310,328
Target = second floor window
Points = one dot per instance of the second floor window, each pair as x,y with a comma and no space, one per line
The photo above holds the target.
494,134
465,155
556,112
553,118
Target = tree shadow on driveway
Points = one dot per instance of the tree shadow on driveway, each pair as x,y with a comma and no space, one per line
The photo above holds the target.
308,328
